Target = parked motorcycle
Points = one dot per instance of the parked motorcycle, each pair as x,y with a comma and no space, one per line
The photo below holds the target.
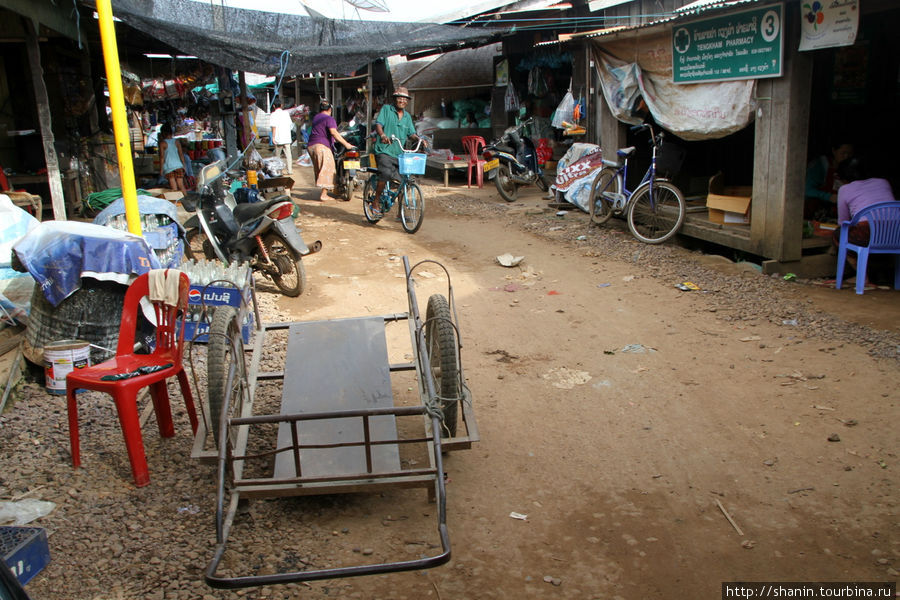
262,233
512,161
346,163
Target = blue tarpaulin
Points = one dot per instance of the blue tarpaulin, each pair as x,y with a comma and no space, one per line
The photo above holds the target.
58,254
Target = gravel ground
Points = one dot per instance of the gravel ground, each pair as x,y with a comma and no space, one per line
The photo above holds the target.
110,540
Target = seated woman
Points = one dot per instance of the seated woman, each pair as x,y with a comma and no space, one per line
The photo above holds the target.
858,192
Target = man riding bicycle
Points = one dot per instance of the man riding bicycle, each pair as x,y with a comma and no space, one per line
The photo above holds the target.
393,121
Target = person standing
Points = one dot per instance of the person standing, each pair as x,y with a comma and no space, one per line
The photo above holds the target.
393,121
171,159
280,123
323,132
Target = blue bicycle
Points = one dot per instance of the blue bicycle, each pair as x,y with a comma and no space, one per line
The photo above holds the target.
654,209
412,202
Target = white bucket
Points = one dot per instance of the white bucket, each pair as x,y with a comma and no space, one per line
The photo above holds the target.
61,358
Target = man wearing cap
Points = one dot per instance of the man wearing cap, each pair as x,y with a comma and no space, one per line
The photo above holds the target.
392,120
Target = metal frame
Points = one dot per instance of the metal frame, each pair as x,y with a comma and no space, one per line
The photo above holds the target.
232,452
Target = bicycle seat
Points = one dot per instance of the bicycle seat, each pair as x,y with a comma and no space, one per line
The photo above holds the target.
625,152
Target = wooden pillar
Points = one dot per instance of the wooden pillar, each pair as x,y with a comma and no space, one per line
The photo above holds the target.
245,110
779,158
43,110
369,105
612,131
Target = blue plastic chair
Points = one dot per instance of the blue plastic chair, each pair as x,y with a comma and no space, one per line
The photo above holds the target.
884,238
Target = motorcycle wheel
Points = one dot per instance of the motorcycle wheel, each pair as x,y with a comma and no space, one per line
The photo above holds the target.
198,245
291,278
508,189
369,200
347,187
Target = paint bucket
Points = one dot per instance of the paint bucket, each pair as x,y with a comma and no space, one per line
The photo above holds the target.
60,359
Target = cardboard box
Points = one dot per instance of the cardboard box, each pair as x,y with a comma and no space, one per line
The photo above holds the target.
730,206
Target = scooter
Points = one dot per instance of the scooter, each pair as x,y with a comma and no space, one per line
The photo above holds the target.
512,160
262,233
346,163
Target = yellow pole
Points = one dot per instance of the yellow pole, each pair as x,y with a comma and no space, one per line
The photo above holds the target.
120,122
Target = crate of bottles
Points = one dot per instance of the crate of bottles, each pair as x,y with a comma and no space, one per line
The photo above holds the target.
213,284
198,331
25,551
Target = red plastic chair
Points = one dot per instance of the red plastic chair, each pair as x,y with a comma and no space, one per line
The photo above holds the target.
473,145
166,357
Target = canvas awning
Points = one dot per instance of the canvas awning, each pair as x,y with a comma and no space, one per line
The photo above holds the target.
255,41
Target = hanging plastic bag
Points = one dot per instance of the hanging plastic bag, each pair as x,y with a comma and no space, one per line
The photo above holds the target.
564,112
511,101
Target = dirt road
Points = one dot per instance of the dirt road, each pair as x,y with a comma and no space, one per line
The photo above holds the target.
623,416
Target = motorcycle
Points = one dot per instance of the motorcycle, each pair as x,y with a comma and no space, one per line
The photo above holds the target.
261,232
512,161
346,165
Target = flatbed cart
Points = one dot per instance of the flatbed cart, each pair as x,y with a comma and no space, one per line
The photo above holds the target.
337,430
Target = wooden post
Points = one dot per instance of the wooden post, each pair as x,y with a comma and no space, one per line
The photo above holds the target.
779,157
369,103
245,110
612,131
43,109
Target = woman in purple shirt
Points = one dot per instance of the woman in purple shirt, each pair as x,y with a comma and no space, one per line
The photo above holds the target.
857,193
320,145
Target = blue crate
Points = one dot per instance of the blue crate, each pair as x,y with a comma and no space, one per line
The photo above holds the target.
25,551
215,295
412,163
198,331
162,237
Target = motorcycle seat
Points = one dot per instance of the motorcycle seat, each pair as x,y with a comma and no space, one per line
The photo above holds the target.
247,212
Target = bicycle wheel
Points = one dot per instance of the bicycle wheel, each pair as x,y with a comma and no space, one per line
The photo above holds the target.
370,202
412,207
440,340
226,370
601,207
655,218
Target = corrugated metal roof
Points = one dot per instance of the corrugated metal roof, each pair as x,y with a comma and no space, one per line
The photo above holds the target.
680,14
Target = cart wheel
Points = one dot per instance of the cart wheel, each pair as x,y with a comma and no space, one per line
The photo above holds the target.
440,340
226,370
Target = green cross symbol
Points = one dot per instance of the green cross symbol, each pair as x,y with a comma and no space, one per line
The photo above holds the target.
682,40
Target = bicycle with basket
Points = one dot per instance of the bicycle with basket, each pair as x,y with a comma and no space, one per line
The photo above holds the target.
655,209
412,202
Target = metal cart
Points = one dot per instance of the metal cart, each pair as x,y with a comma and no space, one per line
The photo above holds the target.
337,428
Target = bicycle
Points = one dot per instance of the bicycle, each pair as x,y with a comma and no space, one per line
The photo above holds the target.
412,202
654,209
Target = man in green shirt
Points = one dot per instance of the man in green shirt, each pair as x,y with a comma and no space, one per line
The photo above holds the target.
392,120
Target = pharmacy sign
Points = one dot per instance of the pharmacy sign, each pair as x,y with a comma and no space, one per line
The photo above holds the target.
741,45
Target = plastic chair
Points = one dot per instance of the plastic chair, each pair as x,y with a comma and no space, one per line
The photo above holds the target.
884,238
164,362
473,145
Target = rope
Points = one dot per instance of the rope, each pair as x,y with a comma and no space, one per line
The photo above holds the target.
282,67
